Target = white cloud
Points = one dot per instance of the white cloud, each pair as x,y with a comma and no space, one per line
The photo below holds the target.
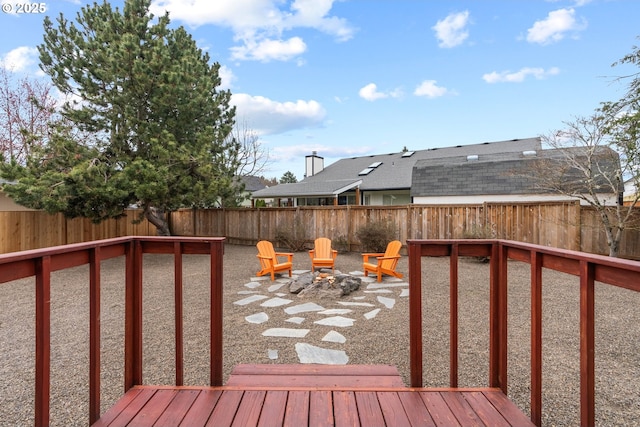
268,117
267,50
258,25
370,93
555,26
519,76
226,77
19,59
429,89
452,30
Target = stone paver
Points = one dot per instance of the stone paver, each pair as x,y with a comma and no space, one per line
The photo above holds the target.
308,353
275,287
303,308
249,300
334,336
355,304
276,302
336,321
371,314
286,332
386,285
253,285
336,311
387,302
257,318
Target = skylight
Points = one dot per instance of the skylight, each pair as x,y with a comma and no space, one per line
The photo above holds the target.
366,171
374,165
408,153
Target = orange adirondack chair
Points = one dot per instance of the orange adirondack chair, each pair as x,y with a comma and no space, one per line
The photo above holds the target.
386,262
269,260
322,255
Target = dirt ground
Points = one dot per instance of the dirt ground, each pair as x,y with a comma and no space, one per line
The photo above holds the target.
381,340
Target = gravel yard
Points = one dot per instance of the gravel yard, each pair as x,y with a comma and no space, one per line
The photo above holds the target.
383,339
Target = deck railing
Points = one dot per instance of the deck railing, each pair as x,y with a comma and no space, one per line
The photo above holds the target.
41,263
589,268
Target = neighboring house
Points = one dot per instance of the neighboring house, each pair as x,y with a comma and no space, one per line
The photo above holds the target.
507,177
383,179
630,191
7,203
251,185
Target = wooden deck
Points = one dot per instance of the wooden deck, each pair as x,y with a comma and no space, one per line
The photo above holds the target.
312,395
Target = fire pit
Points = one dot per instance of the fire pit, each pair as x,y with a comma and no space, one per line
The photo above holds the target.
324,285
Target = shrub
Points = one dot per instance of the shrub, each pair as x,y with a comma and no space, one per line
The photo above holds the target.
340,243
376,235
479,232
292,236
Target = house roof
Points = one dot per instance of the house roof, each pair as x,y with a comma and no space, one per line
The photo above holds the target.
504,173
385,171
252,183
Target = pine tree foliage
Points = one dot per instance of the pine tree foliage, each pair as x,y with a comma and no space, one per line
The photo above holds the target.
150,99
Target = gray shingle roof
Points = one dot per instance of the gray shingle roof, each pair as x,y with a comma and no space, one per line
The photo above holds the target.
393,173
505,173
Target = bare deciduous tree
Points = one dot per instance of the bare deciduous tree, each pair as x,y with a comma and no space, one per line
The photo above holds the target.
27,106
252,155
587,165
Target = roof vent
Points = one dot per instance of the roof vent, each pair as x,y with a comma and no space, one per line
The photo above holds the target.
472,157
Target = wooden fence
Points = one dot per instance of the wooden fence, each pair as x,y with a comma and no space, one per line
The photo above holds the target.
23,230
565,225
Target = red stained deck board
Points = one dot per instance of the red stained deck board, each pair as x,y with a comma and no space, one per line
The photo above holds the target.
344,403
369,409
416,411
199,413
297,410
272,414
225,410
462,410
177,409
438,409
392,409
154,408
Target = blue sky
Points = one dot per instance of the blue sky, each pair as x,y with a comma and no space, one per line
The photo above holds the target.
359,77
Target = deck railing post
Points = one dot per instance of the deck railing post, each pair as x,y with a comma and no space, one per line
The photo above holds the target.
43,340
94,335
133,316
587,344
536,338
178,303
217,252
453,316
415,313
498,317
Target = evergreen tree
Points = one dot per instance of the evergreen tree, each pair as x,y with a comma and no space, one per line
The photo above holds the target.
288,178
149,98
